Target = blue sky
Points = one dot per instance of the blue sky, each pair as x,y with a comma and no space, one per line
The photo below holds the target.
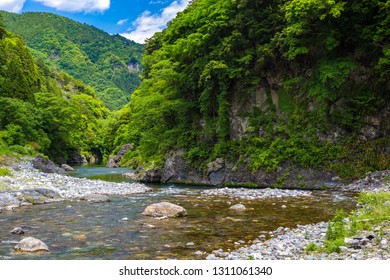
133,19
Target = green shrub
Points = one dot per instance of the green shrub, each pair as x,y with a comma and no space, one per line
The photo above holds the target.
5,172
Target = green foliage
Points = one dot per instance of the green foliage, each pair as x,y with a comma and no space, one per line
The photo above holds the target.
375,211
91,55
5,172
322,64
311,247
58,116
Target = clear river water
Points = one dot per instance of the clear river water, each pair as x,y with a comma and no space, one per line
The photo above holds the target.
81,230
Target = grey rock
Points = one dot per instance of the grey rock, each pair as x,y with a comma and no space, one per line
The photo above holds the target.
46,165
47,192
215,165
165,209
115,161
31,196
67,167
31,244
96,198
8,199
17,230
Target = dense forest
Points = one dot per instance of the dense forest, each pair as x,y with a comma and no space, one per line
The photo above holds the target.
44,109
252,86
108,63
260,83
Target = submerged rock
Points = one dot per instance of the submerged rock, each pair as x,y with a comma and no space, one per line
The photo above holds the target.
238,207
96,198
17,230
165,209
31,244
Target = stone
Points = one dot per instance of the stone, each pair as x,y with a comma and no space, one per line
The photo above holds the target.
7,199
190,244
17,230
67,167
31,196
165,209
215,165
46,165
31,244
238,207
96,198
47,192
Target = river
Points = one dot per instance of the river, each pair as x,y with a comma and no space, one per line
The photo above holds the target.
117,230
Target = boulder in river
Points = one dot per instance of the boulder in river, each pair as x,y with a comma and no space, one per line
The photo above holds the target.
165,209
31,244
238,207
67,167
46,165
95,198
17,230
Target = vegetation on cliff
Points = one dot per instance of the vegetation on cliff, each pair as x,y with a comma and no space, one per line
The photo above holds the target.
262,82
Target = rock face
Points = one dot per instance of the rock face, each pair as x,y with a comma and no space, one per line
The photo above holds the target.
96,198
224,173
31,244
165,209
46,165
114,161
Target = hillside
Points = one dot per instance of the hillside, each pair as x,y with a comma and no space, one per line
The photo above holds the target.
261,93
109,63
44,109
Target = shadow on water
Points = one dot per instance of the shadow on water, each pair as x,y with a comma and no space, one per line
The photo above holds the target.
80,230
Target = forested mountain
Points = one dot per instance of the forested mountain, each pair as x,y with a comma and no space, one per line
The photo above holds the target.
43,109
257,87
109,63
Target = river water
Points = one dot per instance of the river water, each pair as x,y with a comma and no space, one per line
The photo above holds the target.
117,230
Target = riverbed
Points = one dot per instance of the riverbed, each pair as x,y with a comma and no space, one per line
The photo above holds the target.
75,229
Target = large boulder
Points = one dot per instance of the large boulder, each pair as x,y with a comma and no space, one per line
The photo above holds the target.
46,165
165,209
31,244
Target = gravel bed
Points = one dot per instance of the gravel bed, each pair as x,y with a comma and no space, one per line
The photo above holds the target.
27,185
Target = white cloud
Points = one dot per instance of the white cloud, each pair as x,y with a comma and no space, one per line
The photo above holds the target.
147,24
77,5
122,21
14,6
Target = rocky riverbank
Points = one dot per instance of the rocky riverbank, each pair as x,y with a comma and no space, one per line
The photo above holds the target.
297,243
26,185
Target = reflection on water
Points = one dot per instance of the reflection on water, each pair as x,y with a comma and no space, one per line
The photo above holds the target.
80,230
